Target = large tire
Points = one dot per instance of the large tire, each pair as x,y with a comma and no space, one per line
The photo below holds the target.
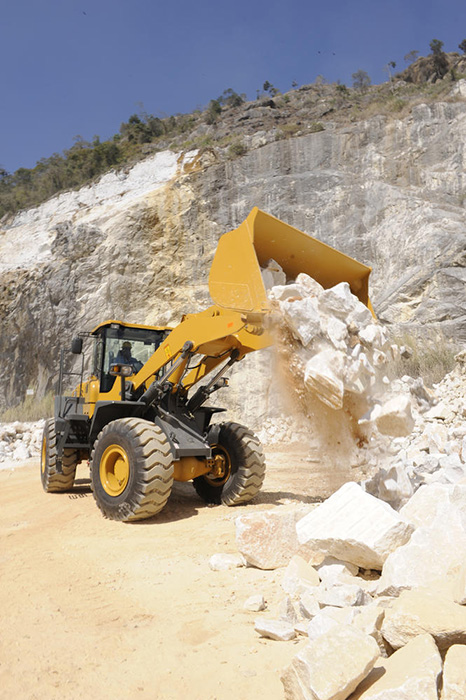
244,470
131,469
54,481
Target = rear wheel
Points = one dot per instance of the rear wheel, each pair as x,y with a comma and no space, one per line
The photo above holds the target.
131,469
53,480
239,467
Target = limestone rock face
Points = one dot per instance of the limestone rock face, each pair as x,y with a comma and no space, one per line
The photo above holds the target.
138,245
354,526
331,666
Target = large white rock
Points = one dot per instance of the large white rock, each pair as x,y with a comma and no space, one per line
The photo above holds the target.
323,377
268,539
395,417
454,673
354,526
411,673
303,318
338,301
330,667
432,558
426,503
418,611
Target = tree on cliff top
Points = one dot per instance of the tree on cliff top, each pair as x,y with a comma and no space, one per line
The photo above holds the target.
440,59
361,80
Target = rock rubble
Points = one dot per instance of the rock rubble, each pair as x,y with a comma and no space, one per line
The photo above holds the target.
19,441
382,561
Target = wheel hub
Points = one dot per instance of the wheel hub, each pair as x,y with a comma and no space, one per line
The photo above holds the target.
43,454
220,466
114,470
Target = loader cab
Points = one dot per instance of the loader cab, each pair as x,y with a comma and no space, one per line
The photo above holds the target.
114,338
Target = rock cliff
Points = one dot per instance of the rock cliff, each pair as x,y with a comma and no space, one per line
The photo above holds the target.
137,245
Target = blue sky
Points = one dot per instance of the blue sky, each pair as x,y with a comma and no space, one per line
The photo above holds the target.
82,67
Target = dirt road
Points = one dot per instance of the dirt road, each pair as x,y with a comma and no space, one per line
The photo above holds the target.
92,608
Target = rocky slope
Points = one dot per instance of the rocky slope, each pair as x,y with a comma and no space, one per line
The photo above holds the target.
137,245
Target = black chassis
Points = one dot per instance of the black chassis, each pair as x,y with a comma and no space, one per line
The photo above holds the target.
189,434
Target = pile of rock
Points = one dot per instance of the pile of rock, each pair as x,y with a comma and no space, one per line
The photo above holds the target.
435,451
340,351
19,441
380,594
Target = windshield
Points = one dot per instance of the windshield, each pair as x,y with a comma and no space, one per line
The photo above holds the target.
131,346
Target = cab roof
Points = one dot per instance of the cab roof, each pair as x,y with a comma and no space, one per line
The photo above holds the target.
115,323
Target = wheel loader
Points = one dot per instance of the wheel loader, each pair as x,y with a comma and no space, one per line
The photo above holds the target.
141,419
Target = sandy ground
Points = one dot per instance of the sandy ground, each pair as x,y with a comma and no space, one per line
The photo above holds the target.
92,608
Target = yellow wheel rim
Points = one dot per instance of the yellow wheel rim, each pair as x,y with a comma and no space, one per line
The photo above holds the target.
114,470
222,470
43,454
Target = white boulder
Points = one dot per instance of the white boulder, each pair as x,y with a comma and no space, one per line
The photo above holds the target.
354,526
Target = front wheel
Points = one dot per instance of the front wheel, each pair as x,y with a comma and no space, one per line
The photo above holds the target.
53,480
131,469
239,469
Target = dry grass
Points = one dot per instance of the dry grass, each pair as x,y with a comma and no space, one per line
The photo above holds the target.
431,357
29,410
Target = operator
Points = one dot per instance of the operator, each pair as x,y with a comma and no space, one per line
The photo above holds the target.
125,358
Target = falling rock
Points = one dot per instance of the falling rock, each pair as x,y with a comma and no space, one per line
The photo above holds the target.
255,603
335,330
395,417
411,673
391,485
303,318
419,611
432,558
279,630
322,377
223,562
373,336
299,576
338,301
268,539
454,673
330,667
354,526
